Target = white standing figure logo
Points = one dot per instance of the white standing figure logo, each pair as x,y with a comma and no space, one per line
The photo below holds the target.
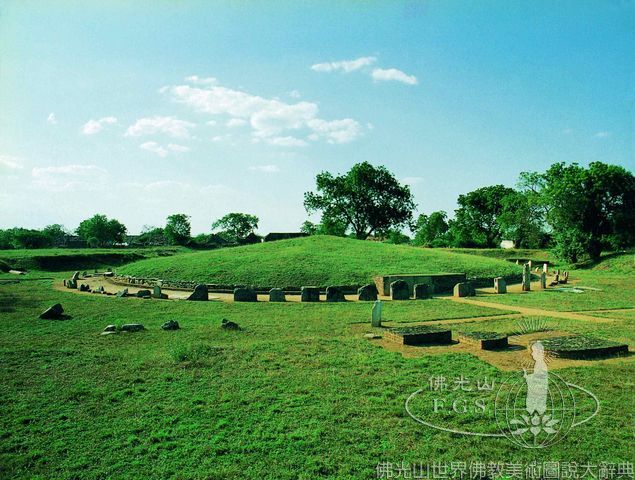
537,382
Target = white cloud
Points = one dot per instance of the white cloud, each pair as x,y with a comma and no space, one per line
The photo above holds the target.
211,123
411,180
154,125
392,74
237,122
346,66
10,163
154,147
196,80
78,170
51,119
161,151
66,178
265,168
270,119
335,131
286,142
94,126
294,94
173,147
602,134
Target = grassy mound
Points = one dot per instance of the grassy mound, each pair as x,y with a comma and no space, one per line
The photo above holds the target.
318,260
619,263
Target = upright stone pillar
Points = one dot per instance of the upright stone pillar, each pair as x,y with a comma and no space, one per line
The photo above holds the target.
545,268
543,280
375,319
500,285
526,277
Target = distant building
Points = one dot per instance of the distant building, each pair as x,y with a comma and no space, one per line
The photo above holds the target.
273,237
507,244
251,238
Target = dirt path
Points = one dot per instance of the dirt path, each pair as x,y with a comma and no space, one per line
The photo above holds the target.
532,310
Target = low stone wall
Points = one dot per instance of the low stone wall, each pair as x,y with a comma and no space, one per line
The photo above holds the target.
218,288
485,282
441,282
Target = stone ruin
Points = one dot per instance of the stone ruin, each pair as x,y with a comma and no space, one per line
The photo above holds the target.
310,294
399,290
367,293
245,294
335,294
500,285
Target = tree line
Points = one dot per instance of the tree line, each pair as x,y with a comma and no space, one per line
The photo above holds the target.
578,212
100,231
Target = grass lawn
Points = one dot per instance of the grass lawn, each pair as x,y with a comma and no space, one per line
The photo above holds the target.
318,260
296,394
614,278
434,309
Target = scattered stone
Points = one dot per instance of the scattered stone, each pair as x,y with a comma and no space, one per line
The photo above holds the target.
110,328
399,290
109,333
132,327
84,288
422,291
75,276
335,294
465,289
71,284
375,314
109,274
500,285
367,293
543,280
310,294
53,313
17,272
245,294
372,336
227,325
565,278
122,293
99,289
200,293
156,293
171,325
526,277
545,268
277,295
144,294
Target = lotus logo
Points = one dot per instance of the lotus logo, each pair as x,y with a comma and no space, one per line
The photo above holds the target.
532,409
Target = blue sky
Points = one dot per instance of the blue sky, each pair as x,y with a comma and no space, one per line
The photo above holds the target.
143,109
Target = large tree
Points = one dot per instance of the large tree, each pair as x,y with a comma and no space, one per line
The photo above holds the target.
99,231
367,199
236,226
177,229
431,229
588,209
476,220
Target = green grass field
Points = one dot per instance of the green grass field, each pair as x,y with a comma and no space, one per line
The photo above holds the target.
319,260
298,393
